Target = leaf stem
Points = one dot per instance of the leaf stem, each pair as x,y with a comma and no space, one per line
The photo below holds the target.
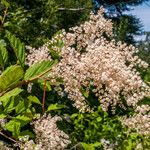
44,95
11,139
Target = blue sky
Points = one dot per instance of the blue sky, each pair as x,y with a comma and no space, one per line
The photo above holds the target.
143,12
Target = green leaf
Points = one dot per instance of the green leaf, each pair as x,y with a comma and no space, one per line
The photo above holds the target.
87,146
91,146
26,132
41,84
18,47
97,144
10,94
23,119
2,42
10,76
3,55
84,92
14,127
98,119
2,116
4,2
9,105
34,99
21,107
54,54
38,69
55,107
15,124
147,76
73,116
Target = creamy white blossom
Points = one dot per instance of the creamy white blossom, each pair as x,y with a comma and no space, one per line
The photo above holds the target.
48,136
90,59
139,121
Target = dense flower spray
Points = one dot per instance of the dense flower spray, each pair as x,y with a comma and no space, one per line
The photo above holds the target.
140,121
48,136
91,58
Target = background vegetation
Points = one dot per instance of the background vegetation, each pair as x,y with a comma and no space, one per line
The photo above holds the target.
33,23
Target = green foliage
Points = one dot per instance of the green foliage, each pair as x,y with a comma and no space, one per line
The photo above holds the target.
3,54
34,22
92,129
11,76
55,107
37,69
144,47
91,146
10,94
42,85
34,99
18,47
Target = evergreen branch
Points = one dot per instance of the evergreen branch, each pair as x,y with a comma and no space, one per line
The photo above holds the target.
73,9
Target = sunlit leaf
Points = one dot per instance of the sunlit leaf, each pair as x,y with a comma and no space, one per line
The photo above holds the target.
37,69
18,47
10,76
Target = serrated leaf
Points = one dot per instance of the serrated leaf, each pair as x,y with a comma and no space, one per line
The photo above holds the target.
3,55
15,124
21,107
34,99
10,76
23,120
10,94
37,69
14,127
18,47
9,105
55,107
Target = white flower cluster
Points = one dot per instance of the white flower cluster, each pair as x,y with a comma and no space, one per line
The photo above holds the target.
28,145
37,55
3,146
48,136
2,123
140,121
107,145
89,59
86,33
104,67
